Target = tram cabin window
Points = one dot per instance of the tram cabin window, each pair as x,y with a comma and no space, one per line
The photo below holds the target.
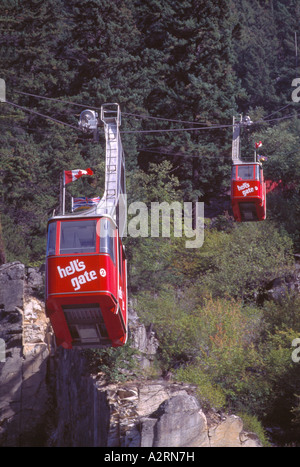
245,172
78,237
51,239
107,238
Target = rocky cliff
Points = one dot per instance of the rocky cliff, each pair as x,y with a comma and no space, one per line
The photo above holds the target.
49,398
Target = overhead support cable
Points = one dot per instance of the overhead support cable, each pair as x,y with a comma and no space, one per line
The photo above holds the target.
34,112
162,130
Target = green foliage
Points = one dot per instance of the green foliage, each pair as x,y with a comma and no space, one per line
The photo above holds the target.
281,145
237,261
224,352
194,83
115,364
157,184
13,238
187,329
253,425
252,255
210,394
264,48
237,357
151,258
283,315
178,342
284,210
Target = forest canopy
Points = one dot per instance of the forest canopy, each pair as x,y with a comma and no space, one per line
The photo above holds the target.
170,65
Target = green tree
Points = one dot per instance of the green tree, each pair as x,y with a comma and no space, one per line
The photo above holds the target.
264,45
151,259
281,145
191,45
252,256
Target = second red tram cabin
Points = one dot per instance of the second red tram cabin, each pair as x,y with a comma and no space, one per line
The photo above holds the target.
86,282
248,192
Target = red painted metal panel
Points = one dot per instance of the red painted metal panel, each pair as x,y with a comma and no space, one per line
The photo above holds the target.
248,194
246,189
79,274
81,281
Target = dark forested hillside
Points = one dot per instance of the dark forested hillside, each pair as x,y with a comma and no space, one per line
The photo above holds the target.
195,62
180,70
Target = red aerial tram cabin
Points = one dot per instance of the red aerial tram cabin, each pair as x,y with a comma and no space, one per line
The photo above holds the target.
86,282
248,192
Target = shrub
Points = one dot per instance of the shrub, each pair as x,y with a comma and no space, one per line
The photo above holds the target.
253,255
210,394
252,424
116,364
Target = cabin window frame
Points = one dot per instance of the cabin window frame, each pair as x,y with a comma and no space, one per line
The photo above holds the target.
51,239
107,247
78,249
256,174
105,238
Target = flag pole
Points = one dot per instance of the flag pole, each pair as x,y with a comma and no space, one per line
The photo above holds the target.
296,52
64,194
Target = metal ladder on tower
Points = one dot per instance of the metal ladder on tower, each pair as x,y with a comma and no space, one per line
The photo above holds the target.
236,146
236,141
113,201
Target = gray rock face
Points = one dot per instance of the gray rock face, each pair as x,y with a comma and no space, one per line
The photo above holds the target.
24,393
143,339
165,414
35,280
280,287
12,277
180,423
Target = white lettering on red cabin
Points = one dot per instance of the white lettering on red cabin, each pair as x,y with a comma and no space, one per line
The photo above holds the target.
246,192
243,187
83,279
75,266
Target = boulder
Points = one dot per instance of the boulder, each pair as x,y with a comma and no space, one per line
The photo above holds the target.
229,433
12,276
35,280
180,423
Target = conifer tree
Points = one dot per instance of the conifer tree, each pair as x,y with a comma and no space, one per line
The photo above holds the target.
191,43
264,46
176,60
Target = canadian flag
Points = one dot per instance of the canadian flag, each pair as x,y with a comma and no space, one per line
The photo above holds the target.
258,145
72,175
